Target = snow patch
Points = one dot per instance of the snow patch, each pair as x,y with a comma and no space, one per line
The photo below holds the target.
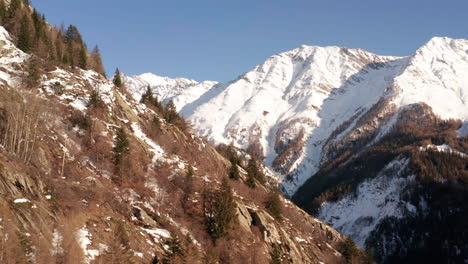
376,199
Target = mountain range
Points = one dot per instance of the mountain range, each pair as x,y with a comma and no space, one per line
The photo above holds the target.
310,108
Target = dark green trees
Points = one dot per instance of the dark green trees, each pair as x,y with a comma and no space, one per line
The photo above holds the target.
117,78
254,174
220,211
273,205
3,11
275,255
83,58
95,99
173,250
24,38
121,147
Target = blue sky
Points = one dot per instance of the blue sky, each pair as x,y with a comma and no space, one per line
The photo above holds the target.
219,40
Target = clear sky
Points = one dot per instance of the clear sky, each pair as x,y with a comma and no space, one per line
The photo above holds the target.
221,39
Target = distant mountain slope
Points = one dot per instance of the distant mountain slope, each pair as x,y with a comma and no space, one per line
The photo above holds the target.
318,114
307,95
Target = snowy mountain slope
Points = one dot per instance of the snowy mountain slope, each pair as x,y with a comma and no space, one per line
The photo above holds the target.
180,90
357,215
307,95
436,75
10,58
70,202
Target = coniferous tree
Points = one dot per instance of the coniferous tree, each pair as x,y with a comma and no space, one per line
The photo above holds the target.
220,211
34,75
117,78
275,255
273,205
170,113
121,147
3,11
174,249
250,181
83,58
254,172
15,5
73,35
147,97
95,99
234,172
24,38
97,61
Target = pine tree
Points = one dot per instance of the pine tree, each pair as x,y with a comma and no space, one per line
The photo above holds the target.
174,249
221,211
24,38
95,100
14,6
34,75
73,35
121,147
234,172
83,58
147,97
253,171
250,181
117,78
275,255
273,205
3,11
170,113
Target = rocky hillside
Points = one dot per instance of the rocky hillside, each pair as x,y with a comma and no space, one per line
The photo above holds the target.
328,120
91,174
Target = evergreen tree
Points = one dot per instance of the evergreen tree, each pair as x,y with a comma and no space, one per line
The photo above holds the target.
24,38
73,35
34,75
39,25
275,255
3,11
95,100
250,181
15,5
170,113
188,186
117,78
221,211
120,247
174,249
234,172
147,97
254,172
273,205
83,58
121,147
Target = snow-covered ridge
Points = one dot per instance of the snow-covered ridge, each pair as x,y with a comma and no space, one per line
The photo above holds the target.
166,88
317,91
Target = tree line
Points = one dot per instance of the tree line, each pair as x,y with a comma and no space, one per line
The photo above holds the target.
57,46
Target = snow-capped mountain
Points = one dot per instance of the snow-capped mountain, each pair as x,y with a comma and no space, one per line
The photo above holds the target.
315,113
304,95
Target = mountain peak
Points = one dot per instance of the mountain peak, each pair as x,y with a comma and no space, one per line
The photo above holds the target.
443,45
